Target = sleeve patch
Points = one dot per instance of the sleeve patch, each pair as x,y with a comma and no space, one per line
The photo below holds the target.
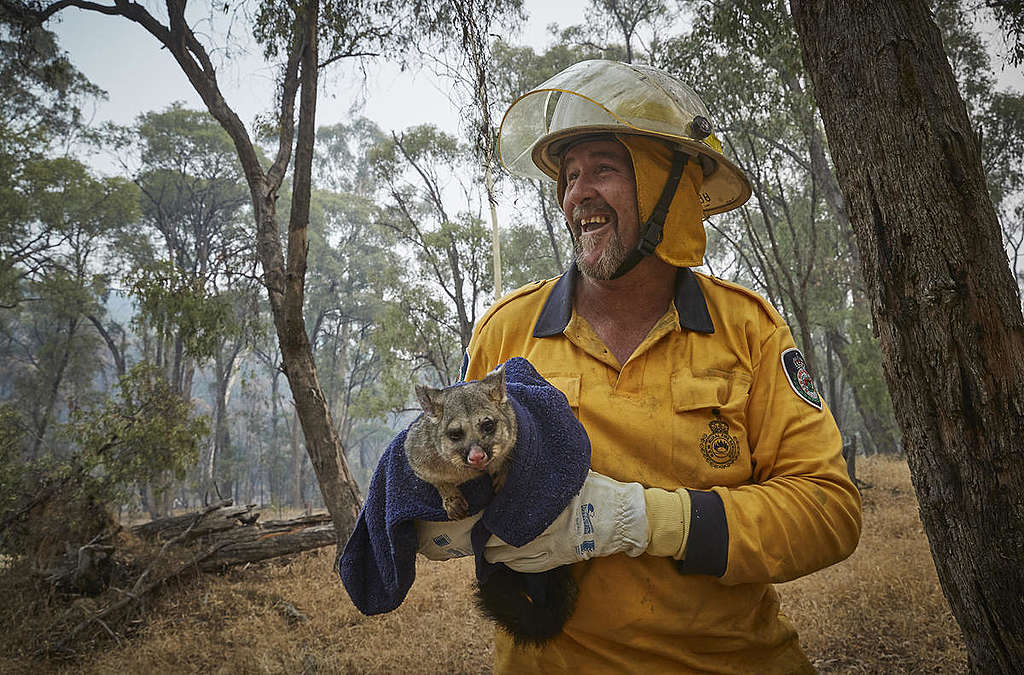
800,377
465,366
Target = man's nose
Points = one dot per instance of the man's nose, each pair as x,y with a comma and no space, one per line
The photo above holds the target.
581,189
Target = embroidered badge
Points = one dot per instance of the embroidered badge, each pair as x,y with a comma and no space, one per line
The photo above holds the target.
720,449
800,377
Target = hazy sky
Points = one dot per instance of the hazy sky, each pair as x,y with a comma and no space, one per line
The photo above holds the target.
139,76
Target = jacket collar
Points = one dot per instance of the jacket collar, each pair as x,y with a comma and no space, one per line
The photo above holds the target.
691,305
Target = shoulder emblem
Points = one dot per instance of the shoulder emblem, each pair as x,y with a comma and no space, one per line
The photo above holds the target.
799,377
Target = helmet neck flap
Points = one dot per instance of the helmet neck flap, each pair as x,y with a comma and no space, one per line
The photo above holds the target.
653,229
668,184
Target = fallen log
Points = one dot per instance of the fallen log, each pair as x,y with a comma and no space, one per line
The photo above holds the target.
314,519
238,535
251,544
214,518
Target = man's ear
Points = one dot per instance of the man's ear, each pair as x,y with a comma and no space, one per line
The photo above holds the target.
495,381
430,400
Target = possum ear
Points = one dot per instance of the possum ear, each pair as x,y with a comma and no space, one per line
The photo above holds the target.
495,381
430,399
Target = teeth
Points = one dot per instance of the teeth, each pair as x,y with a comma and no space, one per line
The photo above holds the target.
593,220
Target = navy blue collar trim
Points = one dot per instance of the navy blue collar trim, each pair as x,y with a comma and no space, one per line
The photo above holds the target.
691,306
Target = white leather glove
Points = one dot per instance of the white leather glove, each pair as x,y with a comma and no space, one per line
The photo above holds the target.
604,518
446,539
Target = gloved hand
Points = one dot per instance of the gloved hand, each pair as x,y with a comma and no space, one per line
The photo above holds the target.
446,539
604,518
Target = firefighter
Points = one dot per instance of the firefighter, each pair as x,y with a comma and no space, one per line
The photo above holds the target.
716,466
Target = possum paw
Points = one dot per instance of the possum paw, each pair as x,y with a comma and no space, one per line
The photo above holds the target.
455,506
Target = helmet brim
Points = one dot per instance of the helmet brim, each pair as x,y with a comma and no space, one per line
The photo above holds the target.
725,187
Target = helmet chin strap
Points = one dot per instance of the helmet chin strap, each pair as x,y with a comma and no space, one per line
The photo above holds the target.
653,230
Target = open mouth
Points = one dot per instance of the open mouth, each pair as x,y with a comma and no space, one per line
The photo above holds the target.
594,222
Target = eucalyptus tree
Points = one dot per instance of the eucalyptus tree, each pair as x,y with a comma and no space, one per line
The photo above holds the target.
998,116
301,38
57,222
43,96
222,464
51,358
194,236
1009,15
1002,126
943,297
424,177
623,30
467,63
355,272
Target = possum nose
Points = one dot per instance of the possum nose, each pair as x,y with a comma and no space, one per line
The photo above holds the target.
477,457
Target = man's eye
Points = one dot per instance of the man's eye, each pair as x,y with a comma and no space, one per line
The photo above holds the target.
456,435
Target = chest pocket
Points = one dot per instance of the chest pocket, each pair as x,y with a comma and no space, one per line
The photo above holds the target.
709,434
570,386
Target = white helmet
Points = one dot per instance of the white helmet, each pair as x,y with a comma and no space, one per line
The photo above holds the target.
602,97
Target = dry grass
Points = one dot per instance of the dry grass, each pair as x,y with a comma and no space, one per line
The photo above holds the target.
881,611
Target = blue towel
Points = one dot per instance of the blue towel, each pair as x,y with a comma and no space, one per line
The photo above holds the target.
552,456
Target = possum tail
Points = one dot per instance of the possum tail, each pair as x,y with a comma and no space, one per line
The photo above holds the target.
532,608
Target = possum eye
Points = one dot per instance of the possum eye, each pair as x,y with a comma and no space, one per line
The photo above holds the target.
456,435
487,426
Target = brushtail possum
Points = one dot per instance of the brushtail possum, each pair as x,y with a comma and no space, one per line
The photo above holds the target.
465,430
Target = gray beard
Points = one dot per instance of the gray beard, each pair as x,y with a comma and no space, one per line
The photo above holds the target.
606,266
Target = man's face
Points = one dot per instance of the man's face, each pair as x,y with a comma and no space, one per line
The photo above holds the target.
600,205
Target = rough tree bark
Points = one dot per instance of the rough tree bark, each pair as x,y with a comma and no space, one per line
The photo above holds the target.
942,294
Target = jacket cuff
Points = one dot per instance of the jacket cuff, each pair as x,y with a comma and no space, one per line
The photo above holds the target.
668,520
707,547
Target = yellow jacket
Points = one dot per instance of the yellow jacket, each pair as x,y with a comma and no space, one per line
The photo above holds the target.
703,403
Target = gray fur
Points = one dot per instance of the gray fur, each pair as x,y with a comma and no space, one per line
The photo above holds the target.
455,420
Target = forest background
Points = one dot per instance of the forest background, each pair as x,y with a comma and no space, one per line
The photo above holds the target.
136,343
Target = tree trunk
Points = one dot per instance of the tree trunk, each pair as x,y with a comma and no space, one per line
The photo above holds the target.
495,232
942,295
117,353
275,476
226,373
54,391
341,496
296,474
545,211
